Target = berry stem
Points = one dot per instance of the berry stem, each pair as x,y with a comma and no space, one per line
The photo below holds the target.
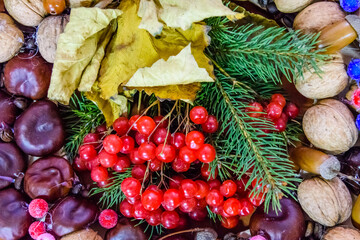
145,111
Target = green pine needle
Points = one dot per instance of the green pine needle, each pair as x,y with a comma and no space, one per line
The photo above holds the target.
260,53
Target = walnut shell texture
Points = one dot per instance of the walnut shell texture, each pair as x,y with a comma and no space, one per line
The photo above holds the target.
11,38
48,34
317,16
330,126
327,202
343,233
329,83
27,12
291,6
86,234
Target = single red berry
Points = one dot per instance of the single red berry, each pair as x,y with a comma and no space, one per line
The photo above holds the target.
207,173
135,157
254,110
78,164
155,165
198,214
145,125
228,188
112,144
170,219
108,218
160,135
206,153
175,181
214,198
187,155
198,115
87,152
280,124
241,185
93,163
138,171
292,111
154,217
38,208
122,164
121,125
139,212
211,125
160,122
194,140
36,229
131,187
147,151
230,222
46,236
128,144
232,206
126,209
101,128
179,165
188,205
256,200
107,160
274,110
189,188
139,138
203,189
165,153
178,140
92,139
214,184
246,207
133,121
173,198
99,174
279,99
182,224
151,199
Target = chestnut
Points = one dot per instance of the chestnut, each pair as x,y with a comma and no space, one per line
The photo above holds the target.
14,216
28,75
49,178
8,110
124,230
12,162
286,224
39,130
71,214
350,165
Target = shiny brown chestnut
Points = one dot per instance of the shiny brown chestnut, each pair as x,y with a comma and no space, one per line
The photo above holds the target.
71,214
14,216
287,224
8,110
28,75
12,162
49,178
124,230
39,130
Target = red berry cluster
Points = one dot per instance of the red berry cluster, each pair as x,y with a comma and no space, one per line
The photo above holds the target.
150,143
277,110
38,208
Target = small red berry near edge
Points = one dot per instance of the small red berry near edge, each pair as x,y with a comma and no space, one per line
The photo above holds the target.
211,125
108,218
291,110
38,208
36,229
274,110
254,110
198,115
279,99
46,236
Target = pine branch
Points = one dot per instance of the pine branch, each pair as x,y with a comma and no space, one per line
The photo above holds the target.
80,117
261,53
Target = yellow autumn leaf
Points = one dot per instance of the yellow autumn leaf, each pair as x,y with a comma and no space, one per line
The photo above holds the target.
181,14
80,50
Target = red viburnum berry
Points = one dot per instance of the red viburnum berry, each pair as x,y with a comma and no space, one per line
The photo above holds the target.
38,208
108,218
36,229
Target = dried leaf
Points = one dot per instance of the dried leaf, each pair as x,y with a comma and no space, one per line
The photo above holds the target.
80,50
149,14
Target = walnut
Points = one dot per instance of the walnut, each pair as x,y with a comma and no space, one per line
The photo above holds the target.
327,202
27,12
48,34
329,83
291,6
86,234
330,126
11,38
343,233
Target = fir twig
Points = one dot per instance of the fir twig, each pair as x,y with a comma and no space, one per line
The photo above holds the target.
80,117
261,53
